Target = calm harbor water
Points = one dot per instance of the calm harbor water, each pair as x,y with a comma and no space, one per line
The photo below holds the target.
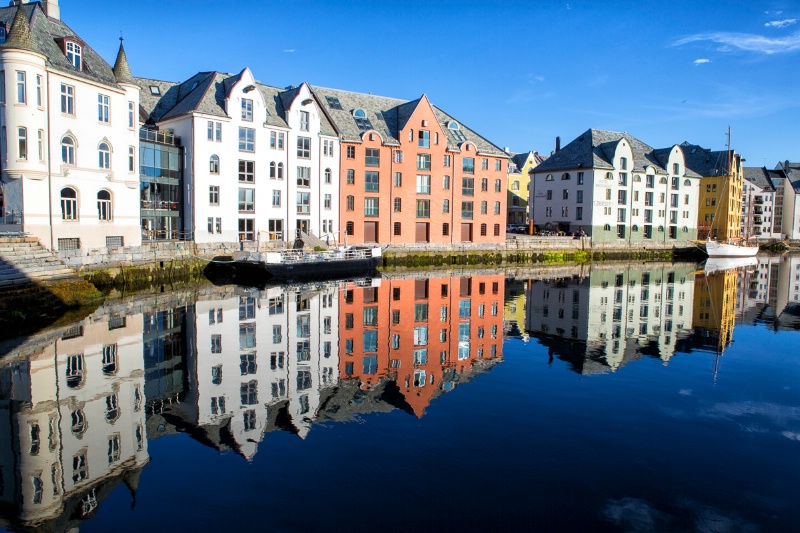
616,397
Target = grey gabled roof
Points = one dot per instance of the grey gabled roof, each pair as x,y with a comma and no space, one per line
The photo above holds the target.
760,177
389,116
706,162
792,172
43,34
205,93
595,149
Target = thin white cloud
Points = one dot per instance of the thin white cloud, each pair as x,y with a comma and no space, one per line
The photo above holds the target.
773,13
685,392
780,23
701,61
539,78
749,42
288,50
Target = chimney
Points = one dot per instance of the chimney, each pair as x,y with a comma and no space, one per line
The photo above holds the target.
51,9
558,144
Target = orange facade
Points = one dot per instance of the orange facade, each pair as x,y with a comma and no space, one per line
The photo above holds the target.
421,191
421,334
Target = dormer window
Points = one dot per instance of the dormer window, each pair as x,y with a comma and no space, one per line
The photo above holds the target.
362,121
2,34
74,52
455,130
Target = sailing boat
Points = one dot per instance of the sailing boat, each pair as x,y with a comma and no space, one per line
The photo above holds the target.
734,246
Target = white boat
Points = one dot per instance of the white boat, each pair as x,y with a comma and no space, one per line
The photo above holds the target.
719,264
731,248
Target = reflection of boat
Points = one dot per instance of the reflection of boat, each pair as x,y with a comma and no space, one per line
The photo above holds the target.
731,248
299,264
717,264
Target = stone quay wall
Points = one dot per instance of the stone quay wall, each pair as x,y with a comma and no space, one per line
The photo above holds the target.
156,253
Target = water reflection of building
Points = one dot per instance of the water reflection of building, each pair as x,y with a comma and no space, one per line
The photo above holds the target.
418,336
616,314
73,422
258,360
770,292
514,309
715,308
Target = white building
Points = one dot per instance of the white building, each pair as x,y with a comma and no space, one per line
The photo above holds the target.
261,162
615,315
616,189
787,200
73,419
69,126
758,203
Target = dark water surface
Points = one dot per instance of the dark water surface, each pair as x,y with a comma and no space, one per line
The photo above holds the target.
618,397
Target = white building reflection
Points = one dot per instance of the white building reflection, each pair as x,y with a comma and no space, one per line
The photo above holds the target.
259,359
73,420
770,292
615,314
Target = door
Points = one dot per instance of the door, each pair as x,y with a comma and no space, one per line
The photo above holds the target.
466,232
302,225
422,232
370,232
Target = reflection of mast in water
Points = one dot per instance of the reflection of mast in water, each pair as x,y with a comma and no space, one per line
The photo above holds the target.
715,303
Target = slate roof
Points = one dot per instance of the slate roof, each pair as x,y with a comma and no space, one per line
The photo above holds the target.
792,172
706,162
122,70
43,35
388,116
760,177
205,93
596,148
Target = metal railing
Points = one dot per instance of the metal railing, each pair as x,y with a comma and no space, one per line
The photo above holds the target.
10,217
166,235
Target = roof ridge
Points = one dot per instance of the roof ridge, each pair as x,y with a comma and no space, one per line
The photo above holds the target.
360,93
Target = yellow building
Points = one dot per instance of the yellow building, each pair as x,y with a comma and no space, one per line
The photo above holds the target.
519,184
720,203
714,309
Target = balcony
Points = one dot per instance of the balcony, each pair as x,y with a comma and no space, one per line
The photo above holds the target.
157,136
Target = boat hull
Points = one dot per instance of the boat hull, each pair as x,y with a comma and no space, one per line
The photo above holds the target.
721,249
250,271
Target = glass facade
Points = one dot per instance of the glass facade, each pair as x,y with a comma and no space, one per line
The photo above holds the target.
161,187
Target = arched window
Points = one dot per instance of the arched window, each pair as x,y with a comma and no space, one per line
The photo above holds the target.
687,182
280,171
549,177
607,227
328,176
78,423
272,168
637,178
609,175
663,181
112,408
515,185
67,150
685,229
69,204
661,229
565,176
213,164
104,155
635,227
75,371
104,205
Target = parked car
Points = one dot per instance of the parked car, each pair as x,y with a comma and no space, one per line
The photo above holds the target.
517,228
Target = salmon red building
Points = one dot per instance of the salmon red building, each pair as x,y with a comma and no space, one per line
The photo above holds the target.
413,174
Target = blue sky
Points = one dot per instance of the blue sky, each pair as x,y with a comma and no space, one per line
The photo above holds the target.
520,73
